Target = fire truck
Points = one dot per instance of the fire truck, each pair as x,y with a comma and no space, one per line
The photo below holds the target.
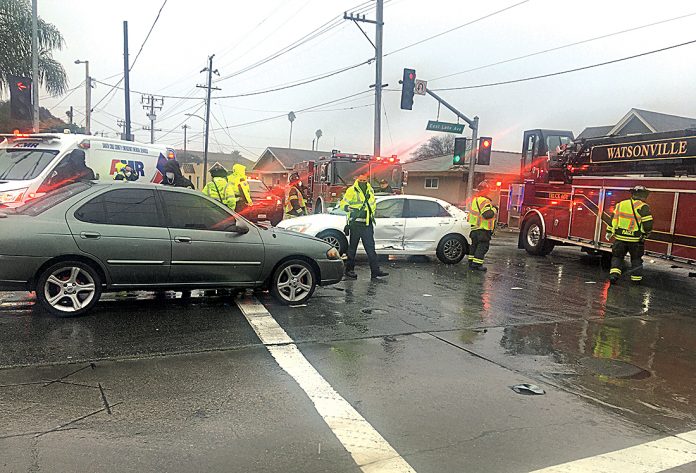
569,188
328,177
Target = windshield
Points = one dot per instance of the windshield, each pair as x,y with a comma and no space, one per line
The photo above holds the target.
257,187
389,172
346,172
23,164
41,204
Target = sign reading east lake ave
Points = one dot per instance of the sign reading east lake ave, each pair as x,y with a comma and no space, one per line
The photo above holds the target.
445,127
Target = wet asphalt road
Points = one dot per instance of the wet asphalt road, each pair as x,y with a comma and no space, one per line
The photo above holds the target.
427,357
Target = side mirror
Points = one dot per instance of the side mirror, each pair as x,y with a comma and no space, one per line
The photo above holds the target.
241,229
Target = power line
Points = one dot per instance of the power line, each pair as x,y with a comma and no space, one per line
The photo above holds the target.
148,35
616,33
567,71
457,27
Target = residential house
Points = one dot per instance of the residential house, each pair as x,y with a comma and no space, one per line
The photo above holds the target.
275,164
640,121
437,177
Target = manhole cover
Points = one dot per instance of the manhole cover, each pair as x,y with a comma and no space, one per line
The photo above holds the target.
614,368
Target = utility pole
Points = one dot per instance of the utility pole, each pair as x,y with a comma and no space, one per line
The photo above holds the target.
35,62
126,82
122,125
379,27
149,103
88,97
185,127
70,113
210,87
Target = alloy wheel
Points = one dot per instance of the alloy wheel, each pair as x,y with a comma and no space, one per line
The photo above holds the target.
453,248
295,283
69,289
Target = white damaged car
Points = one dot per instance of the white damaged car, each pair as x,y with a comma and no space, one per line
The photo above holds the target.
405,225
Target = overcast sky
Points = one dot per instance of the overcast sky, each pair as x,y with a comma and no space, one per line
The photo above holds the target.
240,33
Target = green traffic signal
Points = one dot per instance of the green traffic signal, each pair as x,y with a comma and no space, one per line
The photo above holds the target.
456,159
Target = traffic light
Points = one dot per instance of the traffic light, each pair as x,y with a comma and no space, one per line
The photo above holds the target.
408,88
459,151
21,107
484,151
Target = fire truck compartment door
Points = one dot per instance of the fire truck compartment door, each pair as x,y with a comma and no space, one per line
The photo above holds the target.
389,230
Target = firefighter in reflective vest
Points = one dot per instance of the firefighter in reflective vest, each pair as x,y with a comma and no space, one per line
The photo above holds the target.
295,205
630,225
482,217
124,173
359,203
219,189
240,186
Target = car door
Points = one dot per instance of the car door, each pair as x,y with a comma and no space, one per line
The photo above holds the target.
204,251
390,224
124,229
426,223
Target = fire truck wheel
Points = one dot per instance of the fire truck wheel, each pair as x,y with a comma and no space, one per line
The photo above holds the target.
533,238
452,249
336,239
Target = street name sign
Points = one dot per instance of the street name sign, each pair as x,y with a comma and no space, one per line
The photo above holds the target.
445,127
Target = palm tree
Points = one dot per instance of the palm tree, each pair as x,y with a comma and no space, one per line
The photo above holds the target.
15,47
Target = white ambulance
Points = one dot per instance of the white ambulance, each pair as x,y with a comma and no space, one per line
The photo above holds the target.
28,161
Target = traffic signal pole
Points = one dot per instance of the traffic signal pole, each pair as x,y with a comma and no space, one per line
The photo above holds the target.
474,125
35,63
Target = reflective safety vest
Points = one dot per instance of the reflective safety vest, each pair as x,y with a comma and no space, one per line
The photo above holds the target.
627,222
239,183
476,219
361,206
219,189
294,194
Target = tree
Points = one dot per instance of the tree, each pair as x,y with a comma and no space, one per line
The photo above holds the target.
440,145
49,123
15,45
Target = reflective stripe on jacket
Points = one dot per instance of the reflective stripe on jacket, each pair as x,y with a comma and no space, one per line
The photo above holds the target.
477,220
361,206
219,189
631,221
295,194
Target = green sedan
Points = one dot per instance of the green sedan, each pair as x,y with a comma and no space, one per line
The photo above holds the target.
73,243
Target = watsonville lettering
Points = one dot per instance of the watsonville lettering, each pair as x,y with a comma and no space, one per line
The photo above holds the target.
649,150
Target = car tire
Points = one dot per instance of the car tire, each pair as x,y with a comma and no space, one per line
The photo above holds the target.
291,276
68,289
452,249
533,238
336,239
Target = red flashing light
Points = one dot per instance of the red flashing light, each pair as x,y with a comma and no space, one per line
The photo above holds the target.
391,160
378,158
19,134
554,202
498,184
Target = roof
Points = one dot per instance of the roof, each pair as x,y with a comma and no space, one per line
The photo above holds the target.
502,162
595,131
658,122
187,168
226,160
288,157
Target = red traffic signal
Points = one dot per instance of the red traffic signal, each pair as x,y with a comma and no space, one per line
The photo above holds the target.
486,143
484,151
408,89
21,107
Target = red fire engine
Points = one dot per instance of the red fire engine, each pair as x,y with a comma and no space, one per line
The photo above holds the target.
570,187
328,178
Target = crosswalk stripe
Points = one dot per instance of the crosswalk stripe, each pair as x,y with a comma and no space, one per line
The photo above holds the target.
368,448
650,457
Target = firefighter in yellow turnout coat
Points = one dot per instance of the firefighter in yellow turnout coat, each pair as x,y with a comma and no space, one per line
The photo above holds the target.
482,217
630,225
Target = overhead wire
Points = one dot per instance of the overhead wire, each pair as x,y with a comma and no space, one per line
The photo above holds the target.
564,46
568,71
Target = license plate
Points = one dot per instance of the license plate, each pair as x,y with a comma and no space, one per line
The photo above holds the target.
260,216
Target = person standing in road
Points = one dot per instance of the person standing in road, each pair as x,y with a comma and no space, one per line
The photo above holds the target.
219,189
359,203
173,175
482,220
125,173
631,223
240,185
295,205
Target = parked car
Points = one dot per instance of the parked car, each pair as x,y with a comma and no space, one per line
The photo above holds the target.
267,205
77,241
405,225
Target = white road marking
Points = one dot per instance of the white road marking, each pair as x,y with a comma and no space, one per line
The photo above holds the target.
368,448
651,457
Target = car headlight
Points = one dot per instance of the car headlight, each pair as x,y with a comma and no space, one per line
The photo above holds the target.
299,228
333,254
12,196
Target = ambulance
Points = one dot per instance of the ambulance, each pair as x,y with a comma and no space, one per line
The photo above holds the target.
28,161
